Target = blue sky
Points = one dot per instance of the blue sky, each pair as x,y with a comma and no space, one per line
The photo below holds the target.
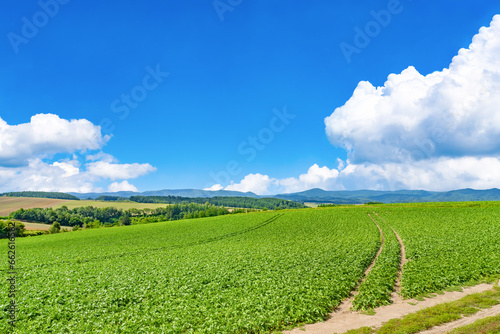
222,70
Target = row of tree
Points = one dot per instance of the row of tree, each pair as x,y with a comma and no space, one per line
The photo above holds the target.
41,194
91,217
227,201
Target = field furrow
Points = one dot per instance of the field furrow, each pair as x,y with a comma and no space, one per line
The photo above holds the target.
379,284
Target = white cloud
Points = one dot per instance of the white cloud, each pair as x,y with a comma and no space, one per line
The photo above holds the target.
69,168
215,187
114,171
436,174
24,147
256,183
316,177
452,113
42,176
44,135
121,186
437,132
100,156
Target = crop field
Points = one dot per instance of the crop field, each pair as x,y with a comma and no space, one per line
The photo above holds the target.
11,204
447,246
246,273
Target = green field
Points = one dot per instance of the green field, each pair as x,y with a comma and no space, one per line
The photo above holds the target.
244,273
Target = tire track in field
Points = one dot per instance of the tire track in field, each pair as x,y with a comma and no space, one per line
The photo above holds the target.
195,243
396,295
346,305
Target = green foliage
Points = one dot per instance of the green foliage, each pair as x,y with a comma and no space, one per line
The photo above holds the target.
125,220
33,233
229,201
110,216
446,246
56,228
111,198
41,194
5,229
326,205
488,325
252,273
376,290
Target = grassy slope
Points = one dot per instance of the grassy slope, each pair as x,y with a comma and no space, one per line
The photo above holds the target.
228,274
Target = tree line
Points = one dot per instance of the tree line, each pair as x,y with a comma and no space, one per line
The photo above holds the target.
41,194
91,217
235,202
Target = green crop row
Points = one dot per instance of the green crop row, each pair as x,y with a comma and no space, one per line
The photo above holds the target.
257,272
446,246
376,290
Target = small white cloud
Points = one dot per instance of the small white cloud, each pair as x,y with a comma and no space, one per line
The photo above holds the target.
316,177
100,156
45,135
114,171
121,186
256,183
215,187
69,169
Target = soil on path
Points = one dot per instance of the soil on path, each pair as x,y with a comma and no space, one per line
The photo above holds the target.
340,322
344,319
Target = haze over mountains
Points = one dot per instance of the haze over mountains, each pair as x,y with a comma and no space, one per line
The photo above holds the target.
323,196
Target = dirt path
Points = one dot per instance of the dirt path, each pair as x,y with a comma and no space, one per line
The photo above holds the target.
341,322
395,296
345,305
343,319
495,310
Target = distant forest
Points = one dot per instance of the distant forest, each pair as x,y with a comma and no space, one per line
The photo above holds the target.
41,194
226,201
235,202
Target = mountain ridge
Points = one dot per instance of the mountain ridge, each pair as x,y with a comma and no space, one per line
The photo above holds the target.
324,196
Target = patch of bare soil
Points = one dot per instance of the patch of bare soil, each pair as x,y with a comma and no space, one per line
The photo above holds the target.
340,322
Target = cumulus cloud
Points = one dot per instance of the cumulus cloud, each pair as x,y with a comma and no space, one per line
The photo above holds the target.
121,186
316,177
256,183
115,171
25,149
43,176
46,134
452,113
439,131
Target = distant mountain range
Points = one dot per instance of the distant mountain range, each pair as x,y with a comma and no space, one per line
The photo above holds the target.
323,196
170,192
